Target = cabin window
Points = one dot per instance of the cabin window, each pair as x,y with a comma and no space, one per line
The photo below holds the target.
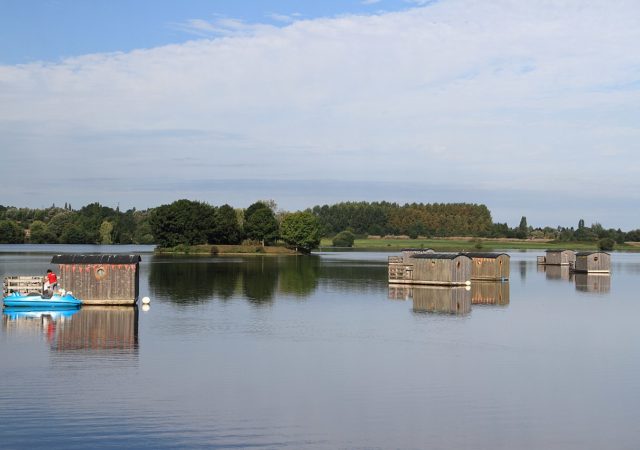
100,273
595,258
458,264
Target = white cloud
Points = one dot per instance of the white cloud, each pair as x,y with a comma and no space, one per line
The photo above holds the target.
542,96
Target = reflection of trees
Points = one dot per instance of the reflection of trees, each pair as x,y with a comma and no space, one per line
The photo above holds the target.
354,276
299,275
184,280
258,278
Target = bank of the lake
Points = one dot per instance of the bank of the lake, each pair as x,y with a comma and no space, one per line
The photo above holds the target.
225,250
469,243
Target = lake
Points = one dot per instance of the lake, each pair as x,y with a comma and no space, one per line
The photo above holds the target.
319,352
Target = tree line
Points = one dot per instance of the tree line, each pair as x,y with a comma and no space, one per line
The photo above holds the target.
187,222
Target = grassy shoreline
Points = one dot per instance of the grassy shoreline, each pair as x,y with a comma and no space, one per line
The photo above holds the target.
472,244
209,250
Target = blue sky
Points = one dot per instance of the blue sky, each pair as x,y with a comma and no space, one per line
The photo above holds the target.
531,108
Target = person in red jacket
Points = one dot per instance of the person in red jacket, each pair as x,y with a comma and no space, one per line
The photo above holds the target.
51,282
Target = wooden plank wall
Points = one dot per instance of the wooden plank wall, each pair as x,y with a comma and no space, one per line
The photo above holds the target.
102,284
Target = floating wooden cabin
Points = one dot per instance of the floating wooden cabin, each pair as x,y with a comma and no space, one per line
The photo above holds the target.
431,268
440,299
100,279
592,262
489,266
558,258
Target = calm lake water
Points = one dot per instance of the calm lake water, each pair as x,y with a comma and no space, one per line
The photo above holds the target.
318,352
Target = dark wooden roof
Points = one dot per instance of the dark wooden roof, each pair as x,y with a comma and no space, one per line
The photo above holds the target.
482,254
416,249
96,259
559,250
438,255
589,253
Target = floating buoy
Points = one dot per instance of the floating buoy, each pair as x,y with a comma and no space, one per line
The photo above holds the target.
146,300
146,307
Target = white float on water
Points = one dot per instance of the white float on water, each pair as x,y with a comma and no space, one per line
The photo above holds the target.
146,300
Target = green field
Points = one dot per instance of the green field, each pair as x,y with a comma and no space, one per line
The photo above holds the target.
471,244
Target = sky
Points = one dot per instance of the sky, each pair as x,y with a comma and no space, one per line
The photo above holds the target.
531,108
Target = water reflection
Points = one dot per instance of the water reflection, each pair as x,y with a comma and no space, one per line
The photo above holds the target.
259,279
490,293
557,273
593,282
443,300
87,328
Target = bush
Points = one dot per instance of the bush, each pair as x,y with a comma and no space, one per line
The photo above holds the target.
606,244
344,239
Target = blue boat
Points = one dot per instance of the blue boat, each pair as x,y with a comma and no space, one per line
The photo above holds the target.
37,312
37,301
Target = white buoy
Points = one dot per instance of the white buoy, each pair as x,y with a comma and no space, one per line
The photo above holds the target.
146,307
146,300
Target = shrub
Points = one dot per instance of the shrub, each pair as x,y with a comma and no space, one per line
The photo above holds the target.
343,239
606,244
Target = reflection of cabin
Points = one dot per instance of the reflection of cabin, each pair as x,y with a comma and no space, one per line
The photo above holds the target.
399,292
439,299
597,262
99,328
557,273
431,268
599,283
100,279
489,266
489,293
558,258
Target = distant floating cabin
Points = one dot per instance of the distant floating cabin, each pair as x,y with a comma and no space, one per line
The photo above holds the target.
431,268
489,266
592,262
100,279
558,258
454,300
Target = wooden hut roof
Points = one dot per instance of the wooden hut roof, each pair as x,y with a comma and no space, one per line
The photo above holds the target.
587,253
554,250
416,249
483,254
96,259
438,255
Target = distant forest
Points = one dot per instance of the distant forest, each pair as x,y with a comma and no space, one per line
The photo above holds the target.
182,222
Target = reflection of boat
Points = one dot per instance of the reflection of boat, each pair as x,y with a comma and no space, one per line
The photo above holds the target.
37,312
34,300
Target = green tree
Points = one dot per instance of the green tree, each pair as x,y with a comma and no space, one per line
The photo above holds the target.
10,232
300,230
226,229
606,244
74,234
105,233
182,222
343,239
523,230
261,225
40,233
58,222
